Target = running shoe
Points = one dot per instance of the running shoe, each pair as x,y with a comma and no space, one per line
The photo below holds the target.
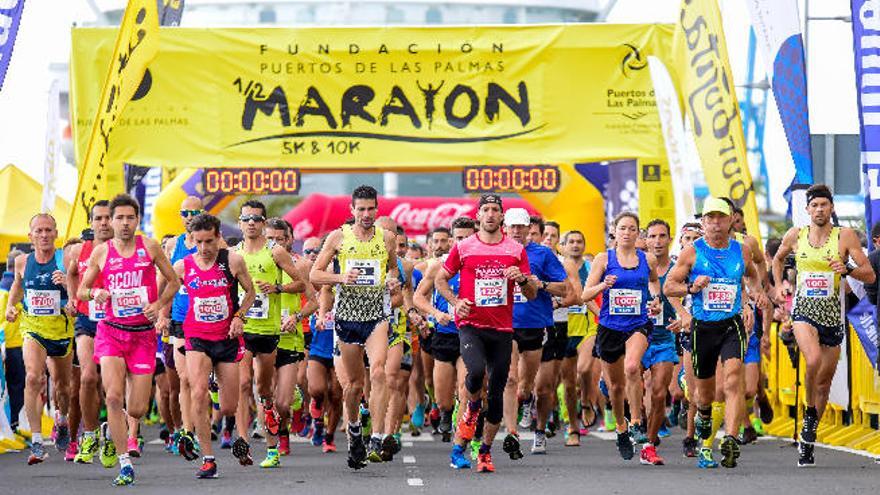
126,477
329,445
314,411
764,409
805,455
689,447
418,416
272,460
357,451
457,459
467,423
318,435
374,451
434,417
525,422
683,415
271,420
366,422
175,437
186,446
306,430
445,426
242,451
648,456
475,449
284,445
108,448
388,448
637,435
88,447
539,445
62,436
625,445
808,432
703,426
749,435
663,432
133,448
511,446
72,451
484,463
705,459
208,470
226,440
758,425
573,439
38,454
610,420
729,451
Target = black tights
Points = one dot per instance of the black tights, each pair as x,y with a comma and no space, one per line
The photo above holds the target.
482,350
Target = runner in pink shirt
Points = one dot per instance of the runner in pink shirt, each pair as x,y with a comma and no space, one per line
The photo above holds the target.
489,264
125,342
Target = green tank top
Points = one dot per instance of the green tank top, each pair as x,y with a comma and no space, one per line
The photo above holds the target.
291,304
264,317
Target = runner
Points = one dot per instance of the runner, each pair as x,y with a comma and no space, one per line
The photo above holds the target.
365,253
213,326
532,328
660,356
824,254
47,328
714,272
577,364
88,315
551,236
324,388
125,343
183,246
490,264
627,279
449,370
690,232
266,262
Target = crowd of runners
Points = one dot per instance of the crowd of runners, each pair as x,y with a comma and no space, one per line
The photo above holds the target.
506,325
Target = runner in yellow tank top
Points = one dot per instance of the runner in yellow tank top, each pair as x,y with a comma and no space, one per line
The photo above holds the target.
364,252
824,254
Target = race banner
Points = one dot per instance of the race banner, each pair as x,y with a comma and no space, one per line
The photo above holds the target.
123,75
866,47
170,12
863,318
53,148
10,19
681,163
394,98
710,102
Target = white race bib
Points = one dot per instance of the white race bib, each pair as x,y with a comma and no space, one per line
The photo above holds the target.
624,302
43,302
657,319
128,302
719,297
577,309
490,292
96,313
369,271
817,284
518,297
210,309
260,309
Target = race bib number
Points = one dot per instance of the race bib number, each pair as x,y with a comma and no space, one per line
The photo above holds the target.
260,309
578,309
625,302
490,292
44,302
817,284
128,302
719,297
657,319
210,309
330,323
369,271
518,297
96,313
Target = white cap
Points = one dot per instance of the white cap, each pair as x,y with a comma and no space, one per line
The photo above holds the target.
516,216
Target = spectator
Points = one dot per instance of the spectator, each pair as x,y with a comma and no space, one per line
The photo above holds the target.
14,363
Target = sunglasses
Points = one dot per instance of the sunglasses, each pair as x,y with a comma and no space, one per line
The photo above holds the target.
311,251
252,218
190,213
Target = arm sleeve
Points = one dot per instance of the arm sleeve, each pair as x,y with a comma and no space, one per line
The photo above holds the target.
453,261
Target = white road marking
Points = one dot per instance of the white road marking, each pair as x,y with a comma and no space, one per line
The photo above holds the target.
415,482
409,459
407,444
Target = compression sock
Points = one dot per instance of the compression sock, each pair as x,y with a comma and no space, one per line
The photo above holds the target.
717,419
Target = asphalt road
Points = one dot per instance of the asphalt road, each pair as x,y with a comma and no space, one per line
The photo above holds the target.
422,467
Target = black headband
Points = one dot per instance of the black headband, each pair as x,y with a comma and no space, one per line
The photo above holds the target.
819,193
490,198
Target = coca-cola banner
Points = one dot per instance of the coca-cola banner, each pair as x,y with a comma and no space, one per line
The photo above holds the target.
319,214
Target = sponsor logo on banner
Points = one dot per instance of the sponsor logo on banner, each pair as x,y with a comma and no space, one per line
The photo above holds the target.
426,219
863,317
866,44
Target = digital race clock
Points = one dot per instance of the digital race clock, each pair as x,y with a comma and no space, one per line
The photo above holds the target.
512,178
251,181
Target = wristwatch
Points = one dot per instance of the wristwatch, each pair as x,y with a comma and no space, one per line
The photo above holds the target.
241,316
544,284
525,281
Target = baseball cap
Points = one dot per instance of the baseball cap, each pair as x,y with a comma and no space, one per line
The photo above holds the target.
715,204
516,216
491,198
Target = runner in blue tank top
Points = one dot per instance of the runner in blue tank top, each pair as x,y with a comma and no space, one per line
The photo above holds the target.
627,279
713,271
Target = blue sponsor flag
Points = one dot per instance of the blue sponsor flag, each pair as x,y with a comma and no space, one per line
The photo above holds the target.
863,318
866,47
10,18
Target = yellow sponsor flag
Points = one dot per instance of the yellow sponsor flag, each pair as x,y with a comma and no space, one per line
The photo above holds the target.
710,101
137,42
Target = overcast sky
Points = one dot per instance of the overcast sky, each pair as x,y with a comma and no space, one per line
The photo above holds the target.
44,38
